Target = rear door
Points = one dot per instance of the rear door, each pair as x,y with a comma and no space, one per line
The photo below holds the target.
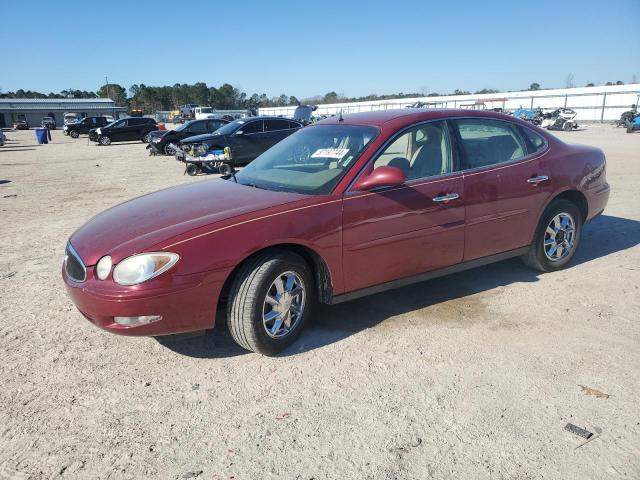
505,185
276,130
398,232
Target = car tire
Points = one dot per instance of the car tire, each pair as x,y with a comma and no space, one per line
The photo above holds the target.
104,140
567,126
552,250
255,322
192,169
74,134
169,150
146,138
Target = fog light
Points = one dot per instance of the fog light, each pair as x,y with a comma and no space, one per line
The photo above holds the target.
133,321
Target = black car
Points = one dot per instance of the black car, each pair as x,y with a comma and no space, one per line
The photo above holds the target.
247,138
84,125
124,130
161,141
48,122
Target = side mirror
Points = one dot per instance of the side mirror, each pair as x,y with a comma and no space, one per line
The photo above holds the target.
381,177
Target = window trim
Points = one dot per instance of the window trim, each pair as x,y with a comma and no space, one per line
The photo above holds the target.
463,152
455,160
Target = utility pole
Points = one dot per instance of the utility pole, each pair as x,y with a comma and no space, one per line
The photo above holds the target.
106,80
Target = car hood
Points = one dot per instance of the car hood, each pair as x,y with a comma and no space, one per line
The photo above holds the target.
205,137
143,222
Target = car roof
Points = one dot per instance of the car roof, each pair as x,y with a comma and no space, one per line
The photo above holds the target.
408,116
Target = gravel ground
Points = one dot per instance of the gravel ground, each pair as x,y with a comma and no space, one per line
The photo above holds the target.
470,376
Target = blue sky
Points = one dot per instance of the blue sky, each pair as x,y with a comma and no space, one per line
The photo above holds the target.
305,48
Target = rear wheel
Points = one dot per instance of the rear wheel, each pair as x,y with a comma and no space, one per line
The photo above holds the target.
146,137
169,150
270,301
567,126
557,237
104,140
192,169
74,134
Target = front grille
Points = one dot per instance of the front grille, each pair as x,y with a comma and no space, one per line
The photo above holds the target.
73,265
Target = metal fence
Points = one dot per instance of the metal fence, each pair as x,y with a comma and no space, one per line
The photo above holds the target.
592,104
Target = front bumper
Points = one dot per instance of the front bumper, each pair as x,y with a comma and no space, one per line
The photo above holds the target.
186,303
155,148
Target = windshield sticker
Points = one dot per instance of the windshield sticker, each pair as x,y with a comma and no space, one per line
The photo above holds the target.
337,153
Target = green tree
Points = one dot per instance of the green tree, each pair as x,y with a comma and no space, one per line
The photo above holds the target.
115,92
534,86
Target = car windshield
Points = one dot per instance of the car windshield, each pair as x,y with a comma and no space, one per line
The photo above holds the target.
229,128
311,161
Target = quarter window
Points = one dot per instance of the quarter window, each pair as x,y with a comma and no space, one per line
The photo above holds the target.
422,151
487,142
535,142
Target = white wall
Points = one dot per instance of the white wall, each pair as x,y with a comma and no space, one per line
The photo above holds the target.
587,102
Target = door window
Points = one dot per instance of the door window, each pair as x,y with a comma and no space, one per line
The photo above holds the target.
120,124
252,127
213,125
487,142
422,151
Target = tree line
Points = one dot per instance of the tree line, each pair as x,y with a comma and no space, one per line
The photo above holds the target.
227,97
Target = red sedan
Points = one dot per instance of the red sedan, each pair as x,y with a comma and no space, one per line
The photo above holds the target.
344,208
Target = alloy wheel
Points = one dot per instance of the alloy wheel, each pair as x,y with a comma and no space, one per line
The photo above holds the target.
559,237
284,304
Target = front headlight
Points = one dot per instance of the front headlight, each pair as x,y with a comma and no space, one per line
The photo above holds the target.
143,267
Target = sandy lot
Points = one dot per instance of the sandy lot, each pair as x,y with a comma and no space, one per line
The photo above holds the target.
473,376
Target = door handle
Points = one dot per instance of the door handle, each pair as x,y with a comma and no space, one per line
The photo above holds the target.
538,179
446,198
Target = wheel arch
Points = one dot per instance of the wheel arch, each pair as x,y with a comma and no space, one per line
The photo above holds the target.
317,264
576,197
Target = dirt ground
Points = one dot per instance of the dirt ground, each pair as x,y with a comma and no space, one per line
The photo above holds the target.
472,376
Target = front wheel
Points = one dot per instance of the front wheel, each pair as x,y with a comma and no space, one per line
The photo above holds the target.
270,301
557,237
169,150
104,140
74,134
146,137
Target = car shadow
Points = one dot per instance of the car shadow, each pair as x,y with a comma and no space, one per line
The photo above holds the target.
332,323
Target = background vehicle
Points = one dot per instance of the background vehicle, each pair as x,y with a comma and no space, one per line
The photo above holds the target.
124,130
532,115
74,130
3,138
160,142
71,118
560,119
136,112
341,209
20,125
628,115
633,124
48,122
245,138
303,113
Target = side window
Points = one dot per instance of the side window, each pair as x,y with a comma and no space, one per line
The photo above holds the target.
487,142
252,127
271,125
213,125
294,125
534,141
422,151
198,128
121,124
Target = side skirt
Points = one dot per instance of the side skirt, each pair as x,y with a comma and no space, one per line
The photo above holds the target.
402,282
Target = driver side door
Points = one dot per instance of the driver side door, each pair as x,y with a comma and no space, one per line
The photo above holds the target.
396,232
245,146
